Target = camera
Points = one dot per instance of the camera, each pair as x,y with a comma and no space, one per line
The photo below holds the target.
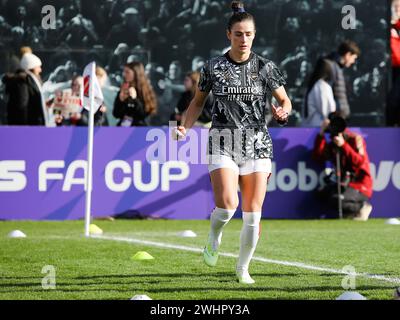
337,125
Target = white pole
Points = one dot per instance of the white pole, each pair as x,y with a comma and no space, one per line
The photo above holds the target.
90,155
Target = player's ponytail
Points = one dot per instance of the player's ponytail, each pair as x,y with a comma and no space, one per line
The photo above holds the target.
239,14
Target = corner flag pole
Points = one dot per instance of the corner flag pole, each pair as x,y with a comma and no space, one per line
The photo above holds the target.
89,173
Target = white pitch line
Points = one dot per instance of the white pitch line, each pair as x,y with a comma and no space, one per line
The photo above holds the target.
265,260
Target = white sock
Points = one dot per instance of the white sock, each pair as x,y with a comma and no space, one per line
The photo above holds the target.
219,218
248,239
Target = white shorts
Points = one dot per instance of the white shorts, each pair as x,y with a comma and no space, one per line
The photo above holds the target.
247,167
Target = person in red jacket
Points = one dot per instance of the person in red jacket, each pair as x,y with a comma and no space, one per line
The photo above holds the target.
356,180
393,98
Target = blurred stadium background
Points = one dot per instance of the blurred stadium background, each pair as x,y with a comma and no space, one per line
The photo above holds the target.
173,37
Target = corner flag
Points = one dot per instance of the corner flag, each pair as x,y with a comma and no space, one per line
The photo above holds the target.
92,99
91,89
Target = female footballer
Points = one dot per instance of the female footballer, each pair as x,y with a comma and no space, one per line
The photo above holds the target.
239,144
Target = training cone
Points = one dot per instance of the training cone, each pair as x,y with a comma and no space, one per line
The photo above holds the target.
16,234
142,255
187,234
393,221
141,297
95,230
351,295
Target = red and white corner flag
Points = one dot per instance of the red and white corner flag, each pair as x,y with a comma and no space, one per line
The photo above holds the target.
91,89
92,99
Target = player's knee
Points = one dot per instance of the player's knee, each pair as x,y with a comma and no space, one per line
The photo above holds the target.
228,202
252,209
252,206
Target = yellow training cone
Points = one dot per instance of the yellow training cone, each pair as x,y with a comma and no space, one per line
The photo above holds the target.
142,255
95,230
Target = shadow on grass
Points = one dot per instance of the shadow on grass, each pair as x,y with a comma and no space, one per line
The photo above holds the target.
207,289
167,283
180,284
184,275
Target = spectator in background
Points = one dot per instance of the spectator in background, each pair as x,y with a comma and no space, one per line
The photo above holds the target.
118,57
197,63
81,118
79,32
61,118
62,73
5,29
295,68
211,23
136,99
150,69
191,82
172,88
15,59
173,81
106,14
69,10
319,101
174,75
26,104
393,103
155,42
21,17
109,94
345,57
356,181
18,37
127,31
100,116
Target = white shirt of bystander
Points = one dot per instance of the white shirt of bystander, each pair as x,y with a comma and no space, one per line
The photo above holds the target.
321,103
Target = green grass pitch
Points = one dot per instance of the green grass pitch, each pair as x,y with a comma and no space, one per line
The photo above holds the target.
103,269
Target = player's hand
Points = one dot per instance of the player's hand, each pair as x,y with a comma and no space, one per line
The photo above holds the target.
179,133
132,93
279,113
339,140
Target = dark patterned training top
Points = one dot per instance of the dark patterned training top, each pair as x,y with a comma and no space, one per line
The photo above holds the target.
242,94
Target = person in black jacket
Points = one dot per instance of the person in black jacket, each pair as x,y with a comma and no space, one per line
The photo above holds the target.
136,99
26,104
191,82
346,55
